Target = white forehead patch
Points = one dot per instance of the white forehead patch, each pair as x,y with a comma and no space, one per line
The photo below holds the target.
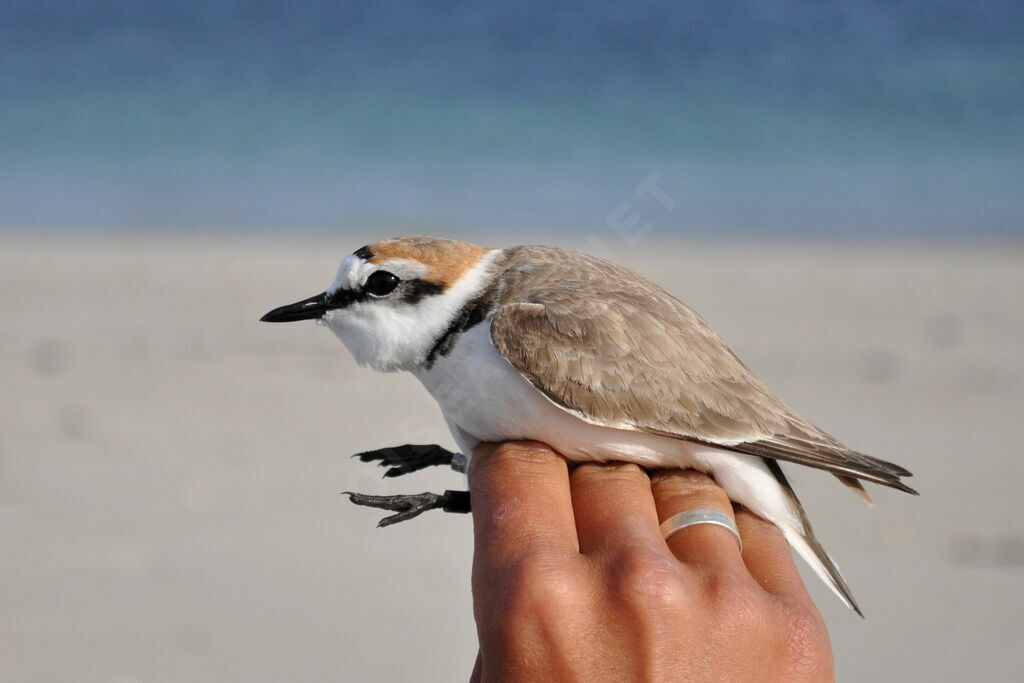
351,273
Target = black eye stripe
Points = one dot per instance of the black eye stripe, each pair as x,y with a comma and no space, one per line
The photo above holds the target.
409,292
414,291
344,297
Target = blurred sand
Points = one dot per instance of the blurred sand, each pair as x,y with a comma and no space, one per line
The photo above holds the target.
170,468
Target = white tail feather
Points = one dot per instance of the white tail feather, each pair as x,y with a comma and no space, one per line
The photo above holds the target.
806,551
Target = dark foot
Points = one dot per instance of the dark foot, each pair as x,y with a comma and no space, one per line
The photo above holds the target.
410,458
410,506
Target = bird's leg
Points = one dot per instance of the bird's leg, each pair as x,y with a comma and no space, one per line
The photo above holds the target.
403,460
410,506
410,458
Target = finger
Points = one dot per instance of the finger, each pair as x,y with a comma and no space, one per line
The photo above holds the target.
704,545
767,556
613,507
521,503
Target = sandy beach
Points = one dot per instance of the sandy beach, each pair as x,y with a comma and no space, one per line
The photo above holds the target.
170,468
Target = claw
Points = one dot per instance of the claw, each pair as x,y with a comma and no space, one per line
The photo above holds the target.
409,458
409,506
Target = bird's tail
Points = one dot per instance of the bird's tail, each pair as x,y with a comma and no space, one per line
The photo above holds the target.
807,545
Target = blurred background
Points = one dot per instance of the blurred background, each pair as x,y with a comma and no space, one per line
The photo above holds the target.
838,188
849,119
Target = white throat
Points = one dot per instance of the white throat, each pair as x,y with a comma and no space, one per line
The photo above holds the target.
388,335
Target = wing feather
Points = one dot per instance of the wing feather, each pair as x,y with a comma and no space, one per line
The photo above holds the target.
621,351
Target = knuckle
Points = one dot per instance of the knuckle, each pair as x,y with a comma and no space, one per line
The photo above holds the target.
690,477
648,581
534,586
687,488
493,460
524,451
589,474
685,481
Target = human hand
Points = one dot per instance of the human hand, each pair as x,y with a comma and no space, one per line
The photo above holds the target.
572,579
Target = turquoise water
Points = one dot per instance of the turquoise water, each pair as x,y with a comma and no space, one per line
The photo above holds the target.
771,118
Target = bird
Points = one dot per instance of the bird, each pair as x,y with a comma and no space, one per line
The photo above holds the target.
575,351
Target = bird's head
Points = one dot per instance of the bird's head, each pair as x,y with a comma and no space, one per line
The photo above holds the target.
391,301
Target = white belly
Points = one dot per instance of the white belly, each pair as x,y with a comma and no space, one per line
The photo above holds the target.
484,398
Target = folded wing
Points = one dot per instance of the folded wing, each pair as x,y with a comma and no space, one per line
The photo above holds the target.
620,351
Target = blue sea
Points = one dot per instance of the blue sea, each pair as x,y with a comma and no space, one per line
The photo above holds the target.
846,120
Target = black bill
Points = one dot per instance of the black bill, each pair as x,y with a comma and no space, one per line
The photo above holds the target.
312,308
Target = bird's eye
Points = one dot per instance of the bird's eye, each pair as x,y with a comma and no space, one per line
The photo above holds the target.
382,283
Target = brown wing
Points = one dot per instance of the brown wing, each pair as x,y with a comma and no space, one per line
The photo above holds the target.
620,351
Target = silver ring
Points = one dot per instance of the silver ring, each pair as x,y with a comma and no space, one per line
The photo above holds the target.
687,518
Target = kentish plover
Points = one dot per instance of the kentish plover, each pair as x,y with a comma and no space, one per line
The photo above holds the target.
584,355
